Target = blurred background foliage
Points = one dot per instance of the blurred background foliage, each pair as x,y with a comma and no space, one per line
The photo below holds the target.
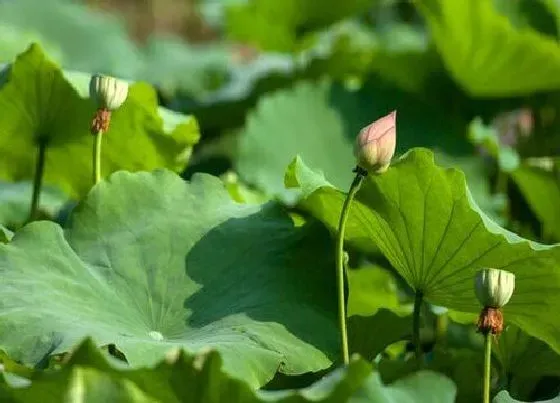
478,81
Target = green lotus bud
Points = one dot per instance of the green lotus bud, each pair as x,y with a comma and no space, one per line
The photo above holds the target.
375,145
108,92
494,287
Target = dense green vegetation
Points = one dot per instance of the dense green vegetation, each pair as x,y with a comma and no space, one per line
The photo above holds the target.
201,268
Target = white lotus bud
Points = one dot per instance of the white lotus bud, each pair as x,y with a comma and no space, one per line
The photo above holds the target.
494,287
108,92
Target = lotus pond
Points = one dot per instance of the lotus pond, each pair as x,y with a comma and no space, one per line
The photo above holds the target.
311,201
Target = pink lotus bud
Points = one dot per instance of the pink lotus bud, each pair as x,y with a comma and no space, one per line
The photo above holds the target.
375,145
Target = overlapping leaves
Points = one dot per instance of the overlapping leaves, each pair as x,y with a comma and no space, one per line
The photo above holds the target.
41,108
289,122
425,222
88,377
149,263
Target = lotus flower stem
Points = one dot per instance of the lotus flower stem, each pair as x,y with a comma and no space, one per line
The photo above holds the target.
418,299
487,367
493,288
97,156
109,94
37,181
354,187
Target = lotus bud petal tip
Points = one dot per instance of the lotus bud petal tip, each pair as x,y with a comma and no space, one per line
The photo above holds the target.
108,92
376,143
494,287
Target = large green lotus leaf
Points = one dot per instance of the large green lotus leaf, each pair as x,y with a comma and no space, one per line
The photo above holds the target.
40,106
504,397
541,189
149,262
424,220
524,360
88,377
294,121
486,54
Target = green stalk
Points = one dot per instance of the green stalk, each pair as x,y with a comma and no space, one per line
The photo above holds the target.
97,157
356,183
418,297
487,367
37,181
